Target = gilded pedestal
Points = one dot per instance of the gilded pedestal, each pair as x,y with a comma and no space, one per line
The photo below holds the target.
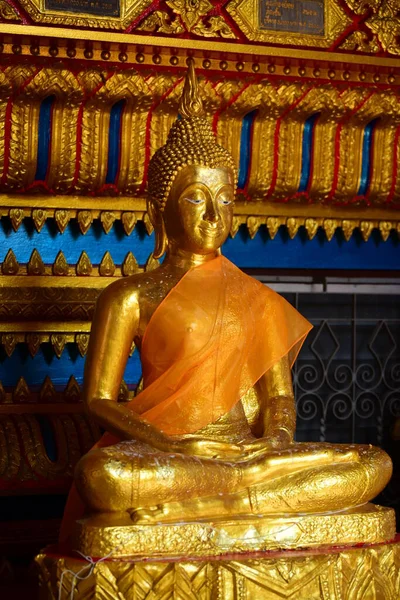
371,572
111,533
263,559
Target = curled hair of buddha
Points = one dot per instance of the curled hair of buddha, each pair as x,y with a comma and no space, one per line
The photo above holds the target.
191,141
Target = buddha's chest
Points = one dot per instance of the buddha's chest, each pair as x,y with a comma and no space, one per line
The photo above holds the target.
200,326
178,328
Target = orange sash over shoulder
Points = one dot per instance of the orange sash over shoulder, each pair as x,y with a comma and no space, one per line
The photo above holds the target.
214,335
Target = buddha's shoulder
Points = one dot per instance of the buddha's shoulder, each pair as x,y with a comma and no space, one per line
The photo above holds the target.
128,290
123,291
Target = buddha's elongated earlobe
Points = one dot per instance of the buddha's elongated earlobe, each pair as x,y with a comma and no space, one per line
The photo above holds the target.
157,221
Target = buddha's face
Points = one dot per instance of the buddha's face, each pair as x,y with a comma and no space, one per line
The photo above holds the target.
199,209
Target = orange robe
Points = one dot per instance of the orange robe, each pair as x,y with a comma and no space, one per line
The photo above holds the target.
208,342
214,335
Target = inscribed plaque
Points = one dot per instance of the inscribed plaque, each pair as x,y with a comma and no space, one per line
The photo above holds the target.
106,8
297,16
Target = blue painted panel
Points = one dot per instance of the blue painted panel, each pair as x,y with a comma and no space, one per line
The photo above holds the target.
114,141
366,165
261,252
44,137
34,370
306,155
50,241
245,148
318,253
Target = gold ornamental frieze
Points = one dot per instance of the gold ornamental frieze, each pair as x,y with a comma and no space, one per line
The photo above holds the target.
49,397
382,20
58,334
349,26
75,185
251,214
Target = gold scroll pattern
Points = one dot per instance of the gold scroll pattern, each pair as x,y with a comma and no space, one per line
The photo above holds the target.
352,574
377,27
187,16
47,299
8,12
361,112
84,268
132,88
80,130
67,400
56,334
5,93
23,453
383,20
251,215
25,121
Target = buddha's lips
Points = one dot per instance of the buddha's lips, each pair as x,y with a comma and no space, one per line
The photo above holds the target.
210,230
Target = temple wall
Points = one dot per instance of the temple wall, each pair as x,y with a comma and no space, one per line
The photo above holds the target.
309,108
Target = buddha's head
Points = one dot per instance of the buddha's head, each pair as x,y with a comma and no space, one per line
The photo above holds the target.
191,182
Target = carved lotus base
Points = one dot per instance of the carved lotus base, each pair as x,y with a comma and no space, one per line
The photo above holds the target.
351,573
102,534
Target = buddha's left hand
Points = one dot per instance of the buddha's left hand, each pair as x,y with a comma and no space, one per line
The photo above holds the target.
206,448
276,441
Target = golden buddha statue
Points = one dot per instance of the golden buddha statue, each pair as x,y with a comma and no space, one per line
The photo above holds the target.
212,432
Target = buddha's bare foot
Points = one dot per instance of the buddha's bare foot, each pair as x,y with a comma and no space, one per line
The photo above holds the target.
170,512
195,509
150,514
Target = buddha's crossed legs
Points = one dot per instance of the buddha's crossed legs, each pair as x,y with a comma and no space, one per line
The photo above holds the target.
131,476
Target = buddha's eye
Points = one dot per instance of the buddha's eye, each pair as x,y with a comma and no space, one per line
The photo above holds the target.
224,200
196,201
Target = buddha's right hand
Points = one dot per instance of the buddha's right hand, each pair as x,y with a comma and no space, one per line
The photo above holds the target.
205,448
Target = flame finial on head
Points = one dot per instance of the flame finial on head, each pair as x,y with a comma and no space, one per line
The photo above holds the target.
191,141
191,104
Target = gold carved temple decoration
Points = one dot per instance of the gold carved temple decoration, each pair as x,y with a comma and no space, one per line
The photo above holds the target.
8,12
133,49
379,20
49,397
75,183
330,577
187,16
383,21
56,333
252,215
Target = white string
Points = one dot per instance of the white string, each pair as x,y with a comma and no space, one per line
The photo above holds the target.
78,576
225,542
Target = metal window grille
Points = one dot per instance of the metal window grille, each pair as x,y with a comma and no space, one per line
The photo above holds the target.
347,376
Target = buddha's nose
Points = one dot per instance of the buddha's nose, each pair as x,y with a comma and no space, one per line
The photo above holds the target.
211,214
